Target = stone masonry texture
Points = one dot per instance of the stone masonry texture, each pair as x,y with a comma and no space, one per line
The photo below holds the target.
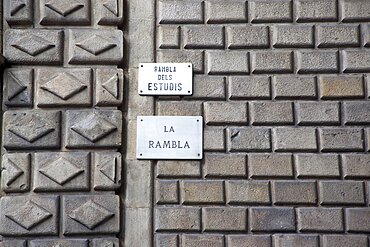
283,87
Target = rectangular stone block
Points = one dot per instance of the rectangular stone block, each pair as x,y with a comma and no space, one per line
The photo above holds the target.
272,62
356,112
247,192
183,56
193,240
29,215
169,240
263,11
227,62
180,12
295,240
179,108
342,139
344,240
178,169
342,193
89,46
33,129
110,12
18,13
18,87
358,220
208,87
245,37
249,87
225,113
270,165
341,87
271,113
356,61
214,139
167,192
318,113
87,214
109,87
338,35
367,35
294,192
249,240
107,170
287,36
203,37
58,13
61,172
316,10
13,243
177,219
236,11
202,192
356,166
318,62
294,87
249,139
317,165
66,243
277,219
356,10
320,219
169,37
225,165
104,242
224,219
294,139
16,172
93,128
33,46
64,87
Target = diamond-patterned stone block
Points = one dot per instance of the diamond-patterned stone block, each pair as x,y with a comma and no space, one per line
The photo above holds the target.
18,12
64,87
109,87
33,129
97,214
95,47
18,87
59,243
93,128
28,215
110,12
66,171
15,175
71,12
33,46
107,170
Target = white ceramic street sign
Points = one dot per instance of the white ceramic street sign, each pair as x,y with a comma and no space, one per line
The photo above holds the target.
165,79
169,137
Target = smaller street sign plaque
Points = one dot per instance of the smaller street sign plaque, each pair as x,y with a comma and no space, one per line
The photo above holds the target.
165,79
169,137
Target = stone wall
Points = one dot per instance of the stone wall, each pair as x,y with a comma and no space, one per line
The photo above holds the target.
283,90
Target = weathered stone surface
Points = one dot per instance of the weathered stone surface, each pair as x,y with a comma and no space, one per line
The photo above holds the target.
316,10
340,139
167,192
249,240
342,193
178,169
202,192
93,128
245,87
107,170
267,11
66,243
64,87
272,62
86,214
224,165
33,46
318,62
193,240
358,219
338,35
227,62
206,37
295,139
317,165
296,240
18,87
247,192
109,87
244,37
338,87
18,12
270,165
237,11
345,241
356,166
271,113
16,172
177,218
224,219
61,172
95,47
320,219
286,36
105,242
292,192
293,87
29,215
249,139
180,12
278,219
318,113
225,113
31,130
